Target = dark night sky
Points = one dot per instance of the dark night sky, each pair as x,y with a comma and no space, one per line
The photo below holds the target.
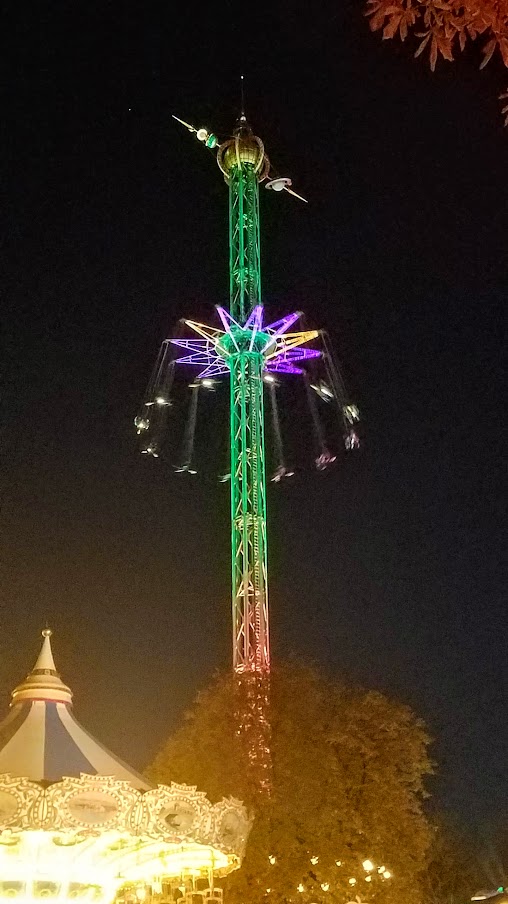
115,225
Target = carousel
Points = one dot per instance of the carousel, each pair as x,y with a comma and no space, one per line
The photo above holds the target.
77,823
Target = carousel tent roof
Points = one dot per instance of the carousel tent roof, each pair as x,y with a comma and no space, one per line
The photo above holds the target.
41,740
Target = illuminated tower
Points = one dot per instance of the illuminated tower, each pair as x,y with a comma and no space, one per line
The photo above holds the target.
252,353
247,349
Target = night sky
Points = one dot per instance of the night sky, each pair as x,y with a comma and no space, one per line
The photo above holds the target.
389,571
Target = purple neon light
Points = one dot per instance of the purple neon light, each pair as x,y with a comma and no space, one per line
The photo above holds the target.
198,358
194,344
296,354
256,325
280,326
213,370
255,319
204,351
282,368
227,319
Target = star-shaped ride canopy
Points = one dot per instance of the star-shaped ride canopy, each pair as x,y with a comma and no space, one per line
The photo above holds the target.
280,348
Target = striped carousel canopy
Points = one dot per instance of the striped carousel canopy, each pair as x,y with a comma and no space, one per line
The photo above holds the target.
41,740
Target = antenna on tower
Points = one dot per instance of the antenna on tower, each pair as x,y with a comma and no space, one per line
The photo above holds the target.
242,97
208,138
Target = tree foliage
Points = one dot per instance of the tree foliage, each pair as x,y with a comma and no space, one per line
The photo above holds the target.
453,872
347,785
445,26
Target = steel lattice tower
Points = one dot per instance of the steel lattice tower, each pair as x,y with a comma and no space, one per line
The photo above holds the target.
251,638
248,350
251,645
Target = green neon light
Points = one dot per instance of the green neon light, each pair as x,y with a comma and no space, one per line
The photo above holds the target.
246,349
244,256
248,478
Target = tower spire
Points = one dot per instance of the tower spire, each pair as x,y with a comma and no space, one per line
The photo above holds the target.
43,682
242,98
45,661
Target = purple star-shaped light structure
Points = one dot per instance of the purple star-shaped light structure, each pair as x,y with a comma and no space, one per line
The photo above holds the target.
281,350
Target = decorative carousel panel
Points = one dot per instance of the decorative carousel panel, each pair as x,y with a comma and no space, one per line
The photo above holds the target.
179,816
93,802
9,807
168,817
17,796
92,808
137,819
231,825
178,811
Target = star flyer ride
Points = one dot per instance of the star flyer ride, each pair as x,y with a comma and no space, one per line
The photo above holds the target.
254,352
78,824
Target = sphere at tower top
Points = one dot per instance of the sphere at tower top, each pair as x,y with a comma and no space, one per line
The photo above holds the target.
244,148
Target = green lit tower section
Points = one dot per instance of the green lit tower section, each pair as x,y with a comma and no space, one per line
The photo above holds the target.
244,164
249,351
